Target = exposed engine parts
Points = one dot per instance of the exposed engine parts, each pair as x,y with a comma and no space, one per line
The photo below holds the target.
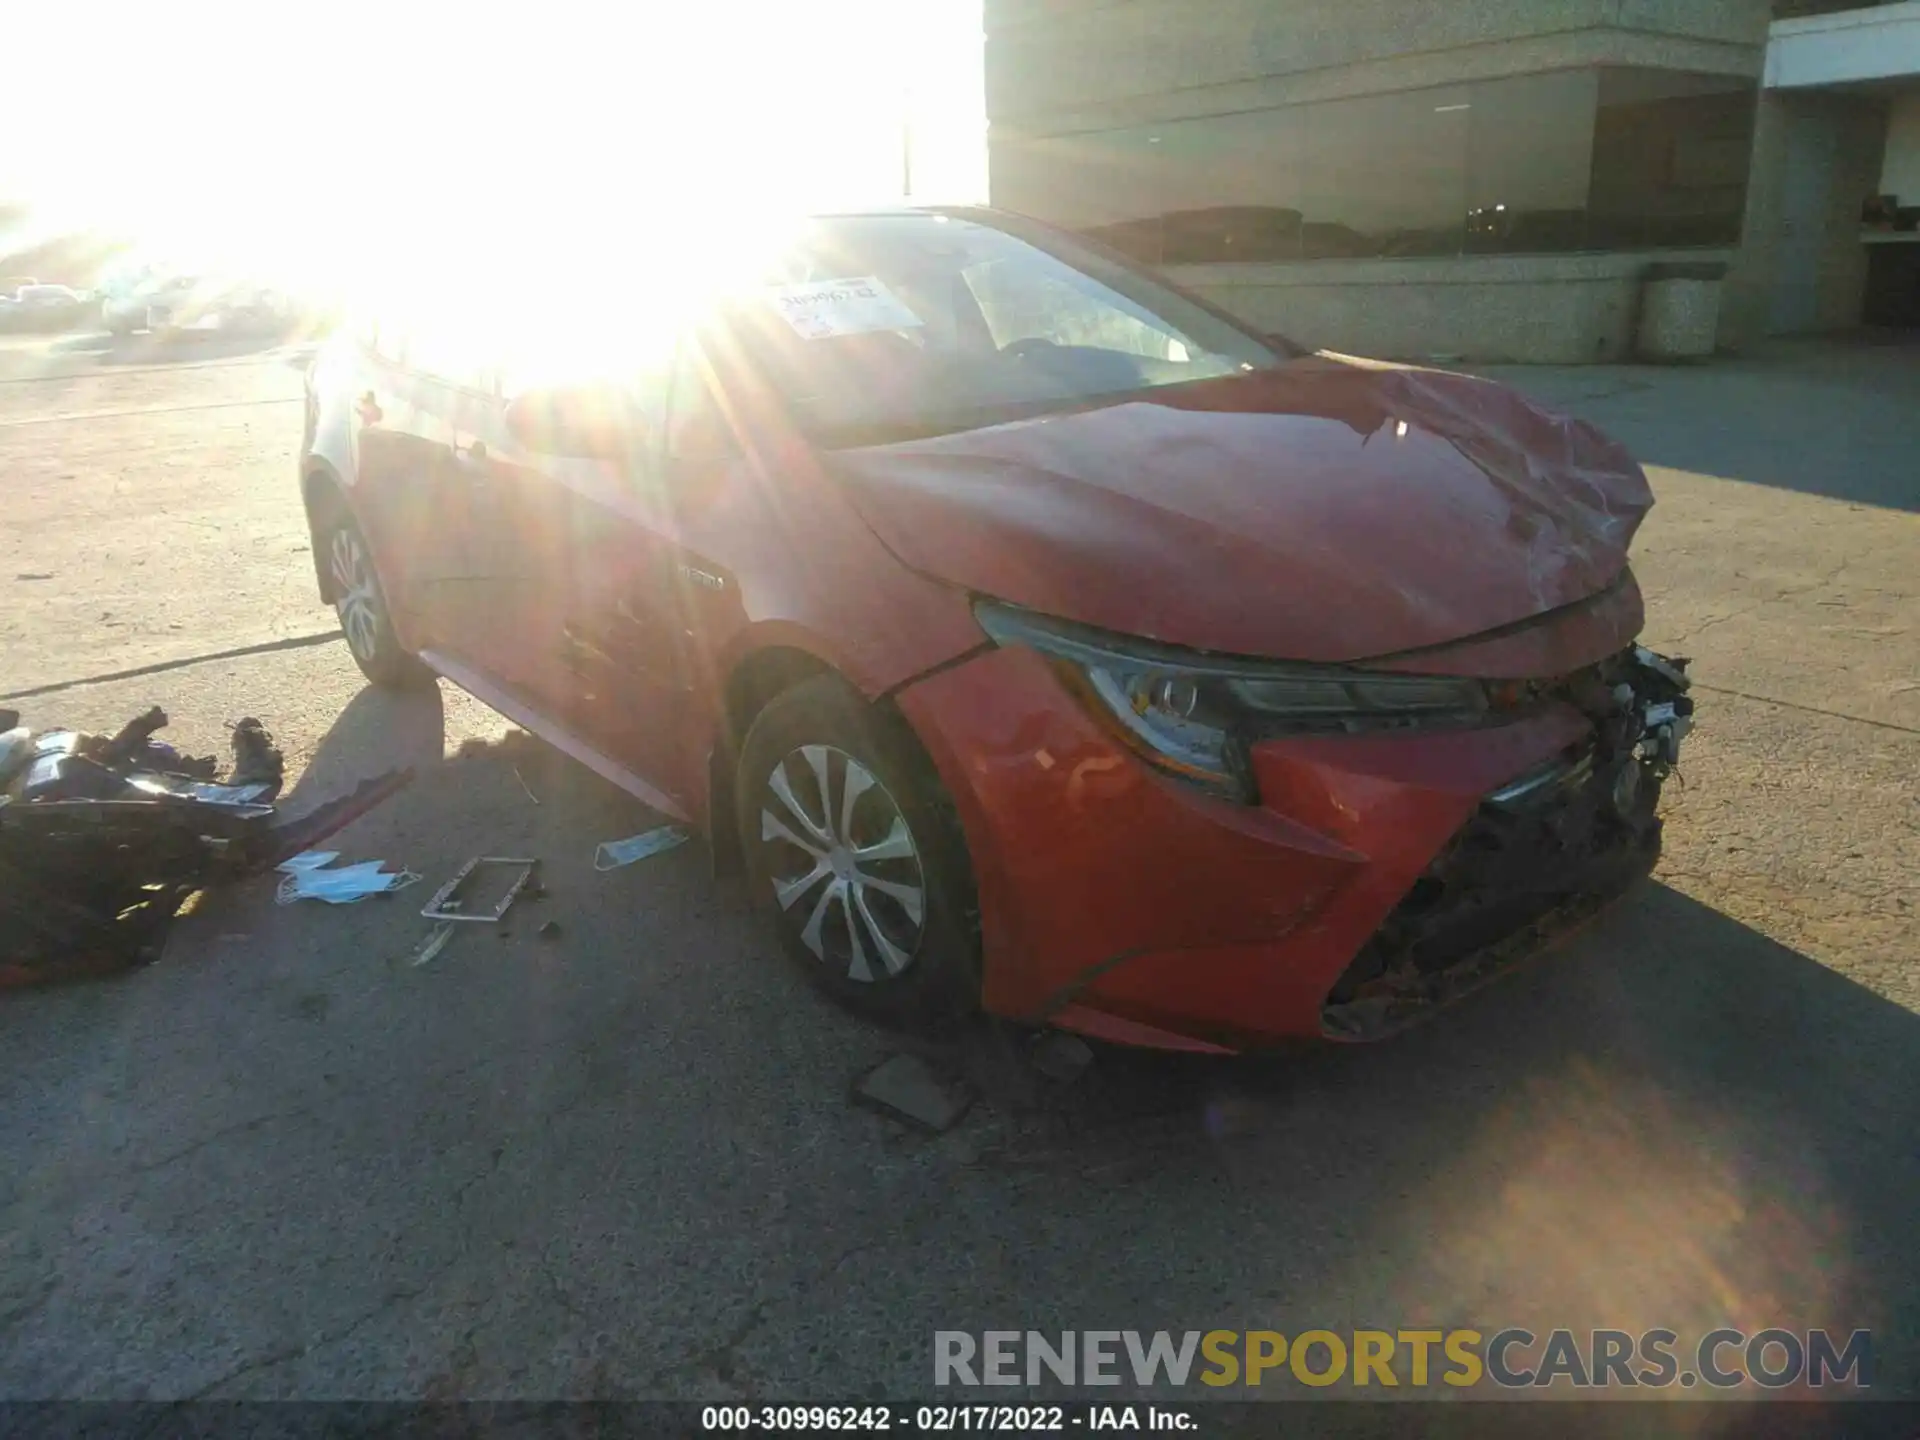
1665,722
1641,713
1540,854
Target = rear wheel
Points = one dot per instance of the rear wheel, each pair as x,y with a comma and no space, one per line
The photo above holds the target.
361,603
852,848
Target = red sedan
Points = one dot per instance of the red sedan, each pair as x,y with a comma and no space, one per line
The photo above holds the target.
1034,635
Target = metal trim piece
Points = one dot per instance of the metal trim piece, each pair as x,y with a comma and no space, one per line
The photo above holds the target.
1554,776
444,905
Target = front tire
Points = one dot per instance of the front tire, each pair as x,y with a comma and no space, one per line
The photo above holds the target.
360,601
852,848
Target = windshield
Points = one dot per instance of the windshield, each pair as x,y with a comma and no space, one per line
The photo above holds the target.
876,326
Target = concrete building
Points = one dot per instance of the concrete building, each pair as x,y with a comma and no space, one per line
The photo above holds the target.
1488,181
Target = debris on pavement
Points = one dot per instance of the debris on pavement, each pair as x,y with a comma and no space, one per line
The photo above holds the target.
612,854
308,878
435,943
132,765
549,930
1060,1057
906,1087
103,838
524,786
310,860
256,760
457,900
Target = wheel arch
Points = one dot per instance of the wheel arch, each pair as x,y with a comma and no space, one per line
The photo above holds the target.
770,675
757,679
323,497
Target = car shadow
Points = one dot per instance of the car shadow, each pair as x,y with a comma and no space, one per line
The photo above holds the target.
378,731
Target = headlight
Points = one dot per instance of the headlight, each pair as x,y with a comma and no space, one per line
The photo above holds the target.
1193,714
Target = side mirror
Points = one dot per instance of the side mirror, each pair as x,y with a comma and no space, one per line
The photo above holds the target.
585,422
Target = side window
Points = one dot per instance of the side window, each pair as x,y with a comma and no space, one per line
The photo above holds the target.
643,390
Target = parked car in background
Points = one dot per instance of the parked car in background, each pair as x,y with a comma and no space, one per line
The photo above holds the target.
147,302
1032,634
252,310
49,307
174,304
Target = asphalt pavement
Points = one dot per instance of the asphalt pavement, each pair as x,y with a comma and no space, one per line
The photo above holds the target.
620,1161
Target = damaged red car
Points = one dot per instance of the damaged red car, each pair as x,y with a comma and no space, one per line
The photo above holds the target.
1033,635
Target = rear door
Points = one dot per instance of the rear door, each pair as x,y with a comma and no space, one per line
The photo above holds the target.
456,391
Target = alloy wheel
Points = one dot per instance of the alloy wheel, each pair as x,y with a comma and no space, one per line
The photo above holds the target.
841,854
357,593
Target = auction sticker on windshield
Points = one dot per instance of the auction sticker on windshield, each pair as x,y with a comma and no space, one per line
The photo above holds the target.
825,309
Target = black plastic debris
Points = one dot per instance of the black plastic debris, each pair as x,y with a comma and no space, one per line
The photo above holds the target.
256,761
1060,1057
102,838
132,765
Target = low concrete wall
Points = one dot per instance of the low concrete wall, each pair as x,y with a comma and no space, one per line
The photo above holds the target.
1534,309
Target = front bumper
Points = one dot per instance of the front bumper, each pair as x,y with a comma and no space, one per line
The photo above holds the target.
1124,904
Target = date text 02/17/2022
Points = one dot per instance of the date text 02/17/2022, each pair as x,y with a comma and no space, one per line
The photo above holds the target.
945,1419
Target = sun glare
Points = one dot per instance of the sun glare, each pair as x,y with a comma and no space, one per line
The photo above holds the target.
597,160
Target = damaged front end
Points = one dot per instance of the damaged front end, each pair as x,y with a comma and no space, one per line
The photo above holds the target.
102,839
1538,857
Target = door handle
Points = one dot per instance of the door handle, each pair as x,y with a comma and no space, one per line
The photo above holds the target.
369,409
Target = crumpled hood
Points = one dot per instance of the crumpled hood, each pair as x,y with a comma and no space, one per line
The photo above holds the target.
1330,510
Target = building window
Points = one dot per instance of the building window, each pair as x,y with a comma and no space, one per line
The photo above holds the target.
1385,175
1530,163
1598,159
1670,157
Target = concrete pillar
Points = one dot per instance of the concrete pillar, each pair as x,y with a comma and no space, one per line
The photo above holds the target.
1860,123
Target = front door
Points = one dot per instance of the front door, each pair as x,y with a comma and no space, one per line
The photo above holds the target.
641,628
575,624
